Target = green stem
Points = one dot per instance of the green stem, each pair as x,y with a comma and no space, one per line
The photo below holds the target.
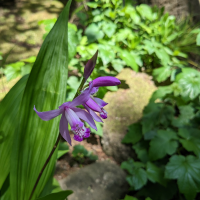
80,88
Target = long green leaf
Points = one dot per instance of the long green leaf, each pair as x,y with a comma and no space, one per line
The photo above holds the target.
9,109
46,88
57,196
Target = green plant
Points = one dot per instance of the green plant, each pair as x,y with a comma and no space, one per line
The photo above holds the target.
80,154
19,68
167,142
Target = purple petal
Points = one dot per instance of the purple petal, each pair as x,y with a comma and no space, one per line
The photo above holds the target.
100,102
82,98
94,90
93,114
73,119
93,105
78,138
85,116
87,133
63,127
48,115
105,81
103,114
89,67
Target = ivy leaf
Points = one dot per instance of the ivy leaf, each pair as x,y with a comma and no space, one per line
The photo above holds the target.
155,114
129,59
187,171
163,143
93,33
134,134
106,53
186,114
138,176
162,73
191,141
189,81
109,28
155,174
118,64
138,180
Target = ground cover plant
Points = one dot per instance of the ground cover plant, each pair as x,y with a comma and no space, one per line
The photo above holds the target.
166,142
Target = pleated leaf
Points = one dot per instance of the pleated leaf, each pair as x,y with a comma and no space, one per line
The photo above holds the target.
9,109
46,89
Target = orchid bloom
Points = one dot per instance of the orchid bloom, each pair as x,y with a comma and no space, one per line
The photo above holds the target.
73,116
95,104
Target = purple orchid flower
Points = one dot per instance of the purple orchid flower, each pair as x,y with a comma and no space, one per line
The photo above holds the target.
73,116
95,104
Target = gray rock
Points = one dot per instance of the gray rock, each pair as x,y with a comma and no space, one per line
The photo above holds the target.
125,107
98,181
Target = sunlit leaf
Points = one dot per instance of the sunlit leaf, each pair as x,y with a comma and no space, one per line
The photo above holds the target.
34,138
9,116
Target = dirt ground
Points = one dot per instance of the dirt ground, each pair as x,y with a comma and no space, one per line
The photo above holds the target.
66,164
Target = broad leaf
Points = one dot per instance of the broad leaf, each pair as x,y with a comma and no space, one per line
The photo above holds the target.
9,107
58,196
141,151
186,114
46,88
162,144
134,134
187,171
138,176
138,180
155,174
161,73
189,81
191,141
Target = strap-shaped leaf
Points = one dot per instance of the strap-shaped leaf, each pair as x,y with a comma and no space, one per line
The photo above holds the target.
58,196
46,89
9,109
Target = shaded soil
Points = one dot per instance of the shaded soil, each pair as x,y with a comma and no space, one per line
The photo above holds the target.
66,164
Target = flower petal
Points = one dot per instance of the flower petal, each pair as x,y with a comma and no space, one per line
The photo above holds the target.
82,98
85,116
73,119
78,138
93,105
93,114
48,115
105,81
87,133
94,90
103,114
100,102
89,67
63,127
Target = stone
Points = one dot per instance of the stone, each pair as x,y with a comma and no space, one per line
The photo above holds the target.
125,107
98,181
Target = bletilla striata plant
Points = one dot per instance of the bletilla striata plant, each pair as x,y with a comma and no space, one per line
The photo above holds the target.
73,115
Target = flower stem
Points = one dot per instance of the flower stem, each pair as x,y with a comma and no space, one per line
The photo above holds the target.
45,164
80,87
